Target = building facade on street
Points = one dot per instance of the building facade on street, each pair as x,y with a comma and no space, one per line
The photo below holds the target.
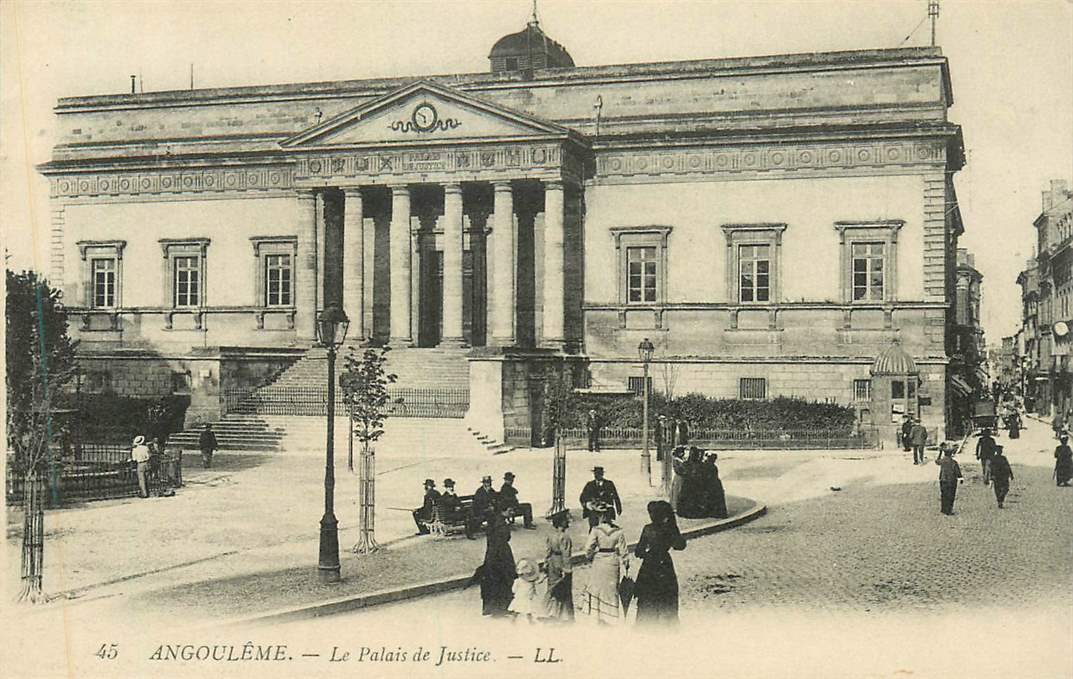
773,224
968,360
1034,378
1047,295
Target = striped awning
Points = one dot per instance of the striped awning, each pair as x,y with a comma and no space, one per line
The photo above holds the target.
982,375
960,385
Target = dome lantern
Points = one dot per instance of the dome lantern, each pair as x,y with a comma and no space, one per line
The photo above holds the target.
528,50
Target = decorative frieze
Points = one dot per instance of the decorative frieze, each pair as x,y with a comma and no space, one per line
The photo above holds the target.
460,159
767,158
199,180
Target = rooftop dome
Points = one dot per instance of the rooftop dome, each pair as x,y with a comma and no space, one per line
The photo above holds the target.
894,361
528,49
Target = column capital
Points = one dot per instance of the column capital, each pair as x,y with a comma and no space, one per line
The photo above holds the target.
399,189
502,186
452,187
351,191
306,194
554,184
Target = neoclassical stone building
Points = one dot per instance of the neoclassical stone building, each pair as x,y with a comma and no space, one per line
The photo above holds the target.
772,224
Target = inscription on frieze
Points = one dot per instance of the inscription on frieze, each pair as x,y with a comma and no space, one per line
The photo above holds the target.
456,159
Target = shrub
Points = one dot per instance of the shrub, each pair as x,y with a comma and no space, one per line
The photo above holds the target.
704,412
108,418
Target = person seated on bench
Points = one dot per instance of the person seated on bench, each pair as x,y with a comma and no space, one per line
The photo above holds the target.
484,504
508,497
449,503
426,512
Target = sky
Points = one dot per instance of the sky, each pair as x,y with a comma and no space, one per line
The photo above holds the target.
1011,64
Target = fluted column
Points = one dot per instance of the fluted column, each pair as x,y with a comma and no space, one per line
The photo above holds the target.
305,294
553,264
452,264
400,265
505,266
322,239
354,261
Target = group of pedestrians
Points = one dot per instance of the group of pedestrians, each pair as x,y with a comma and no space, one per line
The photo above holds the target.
532,594
696,490
995,468
914,437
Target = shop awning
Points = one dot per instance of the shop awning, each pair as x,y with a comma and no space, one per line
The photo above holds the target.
960,385
981,375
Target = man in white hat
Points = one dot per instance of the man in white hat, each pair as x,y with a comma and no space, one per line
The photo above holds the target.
139,452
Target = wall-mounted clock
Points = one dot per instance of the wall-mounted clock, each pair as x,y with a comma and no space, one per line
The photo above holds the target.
425,117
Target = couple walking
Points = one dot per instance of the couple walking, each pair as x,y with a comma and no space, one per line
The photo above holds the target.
608,592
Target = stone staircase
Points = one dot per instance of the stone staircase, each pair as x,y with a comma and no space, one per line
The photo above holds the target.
288,413
235,432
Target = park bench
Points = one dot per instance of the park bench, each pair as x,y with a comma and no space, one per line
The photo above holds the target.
447,522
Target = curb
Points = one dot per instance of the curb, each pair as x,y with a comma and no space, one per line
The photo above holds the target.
387,596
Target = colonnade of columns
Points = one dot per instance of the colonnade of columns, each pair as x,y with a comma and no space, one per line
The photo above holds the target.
502,285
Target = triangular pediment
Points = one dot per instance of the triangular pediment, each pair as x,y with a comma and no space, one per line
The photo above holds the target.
423,113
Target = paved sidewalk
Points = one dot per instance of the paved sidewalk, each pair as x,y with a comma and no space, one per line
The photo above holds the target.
241,539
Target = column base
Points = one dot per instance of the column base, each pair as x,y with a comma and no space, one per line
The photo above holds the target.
452,343
401,342
558,344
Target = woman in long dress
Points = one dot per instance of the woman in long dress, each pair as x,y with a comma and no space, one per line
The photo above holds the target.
657,583
717,499
558,548
693,499
678,463
607,550
498,571
1063,462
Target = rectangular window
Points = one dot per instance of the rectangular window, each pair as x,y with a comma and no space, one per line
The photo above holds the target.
104,283
278,280
98,382
641,271
754,270
862,390
752,388
180,383
897,389
637,385
868,271
187,281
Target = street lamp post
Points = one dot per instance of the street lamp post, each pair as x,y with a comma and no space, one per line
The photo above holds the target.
332,324
645,350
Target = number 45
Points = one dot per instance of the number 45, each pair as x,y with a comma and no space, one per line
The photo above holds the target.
107,652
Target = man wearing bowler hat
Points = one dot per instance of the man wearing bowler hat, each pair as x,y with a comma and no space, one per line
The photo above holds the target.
599,491
426,512
508,499
484,503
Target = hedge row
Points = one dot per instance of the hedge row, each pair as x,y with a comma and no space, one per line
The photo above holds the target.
107,418
703,412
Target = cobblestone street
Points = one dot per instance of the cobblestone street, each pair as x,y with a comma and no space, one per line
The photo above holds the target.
888,547
868,580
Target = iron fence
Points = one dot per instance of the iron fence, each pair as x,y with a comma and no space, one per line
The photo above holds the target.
313,401
734,439
96,472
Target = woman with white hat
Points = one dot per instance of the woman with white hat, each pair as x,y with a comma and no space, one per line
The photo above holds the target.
139,453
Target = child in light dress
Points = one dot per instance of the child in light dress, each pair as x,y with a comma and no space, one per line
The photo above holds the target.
527,601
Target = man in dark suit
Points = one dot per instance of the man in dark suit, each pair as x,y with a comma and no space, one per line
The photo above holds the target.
426,511
508,499
449,501
599,491
484,503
